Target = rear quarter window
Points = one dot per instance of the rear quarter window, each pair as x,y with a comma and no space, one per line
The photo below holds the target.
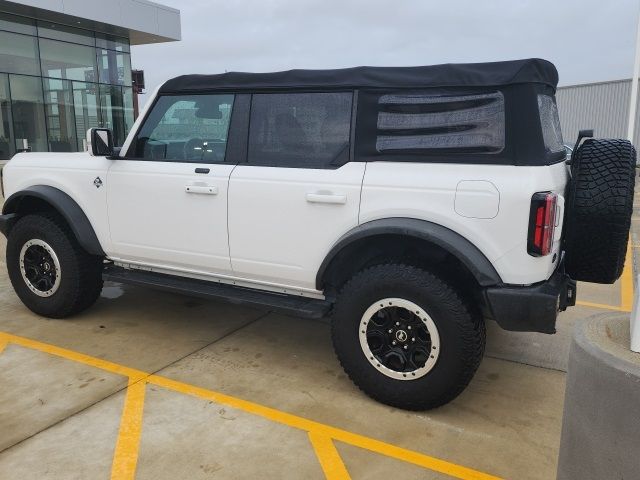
550,123
428,123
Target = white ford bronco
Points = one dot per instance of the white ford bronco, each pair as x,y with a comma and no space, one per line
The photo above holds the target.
409,205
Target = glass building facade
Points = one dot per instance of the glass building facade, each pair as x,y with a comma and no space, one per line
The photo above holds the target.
58,81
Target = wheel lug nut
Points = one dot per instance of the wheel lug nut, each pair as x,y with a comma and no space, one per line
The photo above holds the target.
397,323
413,339
393,342
390,331
406,346
409,327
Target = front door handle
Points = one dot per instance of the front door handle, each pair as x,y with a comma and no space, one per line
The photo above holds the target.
202,189
326,197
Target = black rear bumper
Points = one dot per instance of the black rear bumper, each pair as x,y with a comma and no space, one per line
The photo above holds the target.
532,308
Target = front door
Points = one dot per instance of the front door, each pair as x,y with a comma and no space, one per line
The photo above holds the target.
167,199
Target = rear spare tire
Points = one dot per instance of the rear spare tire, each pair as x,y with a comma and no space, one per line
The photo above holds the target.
599,208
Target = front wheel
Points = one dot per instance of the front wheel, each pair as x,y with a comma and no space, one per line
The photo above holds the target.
405,337
50,272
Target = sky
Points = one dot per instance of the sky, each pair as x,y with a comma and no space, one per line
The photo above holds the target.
587,40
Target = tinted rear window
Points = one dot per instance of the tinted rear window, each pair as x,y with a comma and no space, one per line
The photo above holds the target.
413,123
309,130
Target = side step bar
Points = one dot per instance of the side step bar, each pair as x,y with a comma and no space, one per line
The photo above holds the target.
277,302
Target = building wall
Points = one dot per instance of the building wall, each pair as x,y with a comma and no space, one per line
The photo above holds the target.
58,81
602,106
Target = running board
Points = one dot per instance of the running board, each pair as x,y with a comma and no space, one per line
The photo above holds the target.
277,302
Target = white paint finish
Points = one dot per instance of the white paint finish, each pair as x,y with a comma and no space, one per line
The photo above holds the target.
73,173
153,219
477,199
427,192
275,233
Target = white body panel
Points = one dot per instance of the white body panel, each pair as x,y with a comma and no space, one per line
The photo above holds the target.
73,173
428,192
283,221
164,213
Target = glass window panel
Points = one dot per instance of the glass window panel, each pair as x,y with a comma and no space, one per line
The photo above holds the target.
300,129
115,68
56,31
19,54
7,146
128,109
410,123
14,23
191,128
116,109
85,104
65,60
28,112
112,42
551,131
61,127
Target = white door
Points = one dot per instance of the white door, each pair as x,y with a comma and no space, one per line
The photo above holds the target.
167,200
298,193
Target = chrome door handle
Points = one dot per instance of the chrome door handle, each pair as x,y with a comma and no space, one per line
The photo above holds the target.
202,189
321,197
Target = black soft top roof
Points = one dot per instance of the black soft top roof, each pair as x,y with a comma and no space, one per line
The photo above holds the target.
491,74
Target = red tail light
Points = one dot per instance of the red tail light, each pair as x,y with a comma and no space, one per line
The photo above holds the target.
542,221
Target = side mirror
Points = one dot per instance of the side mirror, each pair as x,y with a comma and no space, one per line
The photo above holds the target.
100,142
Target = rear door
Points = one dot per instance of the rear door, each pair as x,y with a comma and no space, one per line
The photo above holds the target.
167,200
298,192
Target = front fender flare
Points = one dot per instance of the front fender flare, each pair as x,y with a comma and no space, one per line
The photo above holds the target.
65,206
475,261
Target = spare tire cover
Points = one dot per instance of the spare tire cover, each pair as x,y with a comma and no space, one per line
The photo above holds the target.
599,207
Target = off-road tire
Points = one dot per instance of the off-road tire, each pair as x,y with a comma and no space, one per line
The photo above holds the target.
598,210
81,273
460,327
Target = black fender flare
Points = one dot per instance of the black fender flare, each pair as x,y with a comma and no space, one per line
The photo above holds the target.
454,243
65,206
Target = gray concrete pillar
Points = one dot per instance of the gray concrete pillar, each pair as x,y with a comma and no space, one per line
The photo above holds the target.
601,422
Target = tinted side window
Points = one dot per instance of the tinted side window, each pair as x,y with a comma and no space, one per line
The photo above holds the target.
309,130
188,128
550,121
423,123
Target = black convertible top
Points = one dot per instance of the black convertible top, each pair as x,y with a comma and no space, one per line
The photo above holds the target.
491,74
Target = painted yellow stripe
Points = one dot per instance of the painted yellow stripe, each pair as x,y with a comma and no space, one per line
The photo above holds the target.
328,457
127,449
133,374
125,457
602,306
3,344
426,461
626,282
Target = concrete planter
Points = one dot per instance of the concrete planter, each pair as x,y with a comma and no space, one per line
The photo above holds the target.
601,423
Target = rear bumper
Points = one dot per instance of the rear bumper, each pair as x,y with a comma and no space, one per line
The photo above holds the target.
532,308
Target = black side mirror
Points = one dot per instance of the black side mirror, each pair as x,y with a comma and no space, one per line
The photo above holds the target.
100,142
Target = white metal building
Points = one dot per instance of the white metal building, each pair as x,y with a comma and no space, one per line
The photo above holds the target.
603,106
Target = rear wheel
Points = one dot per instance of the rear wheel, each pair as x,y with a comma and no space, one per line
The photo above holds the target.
50,272
405,337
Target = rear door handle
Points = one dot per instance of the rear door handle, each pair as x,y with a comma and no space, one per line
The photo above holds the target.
202,189
322,197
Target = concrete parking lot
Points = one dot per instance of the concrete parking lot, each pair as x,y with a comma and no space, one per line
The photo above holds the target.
156,385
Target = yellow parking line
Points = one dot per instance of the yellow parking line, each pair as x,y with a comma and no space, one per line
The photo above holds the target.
626,281
129,437
626,287
125,456
329,457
